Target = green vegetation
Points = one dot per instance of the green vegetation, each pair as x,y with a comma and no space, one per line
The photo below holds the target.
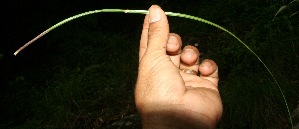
85,71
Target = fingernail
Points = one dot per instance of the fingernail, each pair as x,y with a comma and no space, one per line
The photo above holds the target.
154,15
188,51
172,41
206,64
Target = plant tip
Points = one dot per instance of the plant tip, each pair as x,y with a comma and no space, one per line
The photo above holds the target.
15,53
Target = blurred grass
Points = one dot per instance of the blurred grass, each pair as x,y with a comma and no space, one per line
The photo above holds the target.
82,75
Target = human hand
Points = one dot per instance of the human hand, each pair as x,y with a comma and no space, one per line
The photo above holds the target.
166,94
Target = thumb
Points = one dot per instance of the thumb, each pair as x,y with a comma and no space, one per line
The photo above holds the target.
158,30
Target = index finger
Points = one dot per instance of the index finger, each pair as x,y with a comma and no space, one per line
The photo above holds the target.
144,37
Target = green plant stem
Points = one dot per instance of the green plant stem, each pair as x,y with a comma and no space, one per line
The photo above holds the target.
169,14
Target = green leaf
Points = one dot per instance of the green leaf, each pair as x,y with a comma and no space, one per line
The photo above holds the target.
294,14
279,10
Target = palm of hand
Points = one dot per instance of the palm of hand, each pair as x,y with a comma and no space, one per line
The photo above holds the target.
177,94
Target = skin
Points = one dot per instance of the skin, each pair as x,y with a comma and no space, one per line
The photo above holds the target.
166,97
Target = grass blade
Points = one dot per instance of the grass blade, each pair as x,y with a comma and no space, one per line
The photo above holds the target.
169,14
279,10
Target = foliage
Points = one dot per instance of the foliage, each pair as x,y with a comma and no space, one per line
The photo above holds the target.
285,7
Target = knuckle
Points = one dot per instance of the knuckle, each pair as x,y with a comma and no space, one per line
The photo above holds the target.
155,32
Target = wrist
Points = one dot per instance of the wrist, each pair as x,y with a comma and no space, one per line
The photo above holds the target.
176,119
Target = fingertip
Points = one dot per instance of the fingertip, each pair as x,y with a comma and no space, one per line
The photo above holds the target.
190,55
208,68
154,13
145,22
174,44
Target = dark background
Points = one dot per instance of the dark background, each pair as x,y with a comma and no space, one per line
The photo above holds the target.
82,74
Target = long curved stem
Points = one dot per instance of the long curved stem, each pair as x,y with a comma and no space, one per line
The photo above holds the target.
169,14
